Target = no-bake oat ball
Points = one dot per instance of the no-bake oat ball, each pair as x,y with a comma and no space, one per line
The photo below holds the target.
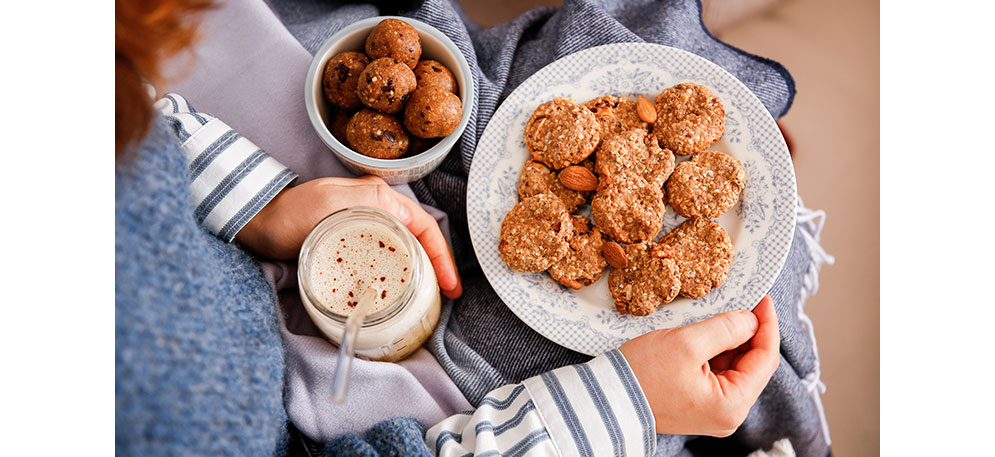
561,133
337,123
707,185
432,112
689,118
376,135
385,85
420,145
396,39
340,79
535,233
432,73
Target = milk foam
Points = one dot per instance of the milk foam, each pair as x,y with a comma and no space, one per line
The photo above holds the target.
347,261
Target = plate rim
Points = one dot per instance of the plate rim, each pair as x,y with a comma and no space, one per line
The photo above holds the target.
766,116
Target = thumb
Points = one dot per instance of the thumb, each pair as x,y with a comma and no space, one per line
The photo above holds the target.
389,201
719,333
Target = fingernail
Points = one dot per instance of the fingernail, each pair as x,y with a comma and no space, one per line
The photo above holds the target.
404,214
752,319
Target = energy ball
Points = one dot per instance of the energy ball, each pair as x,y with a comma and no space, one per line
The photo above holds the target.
432,73
376,135
432,112
396,39
385,85
337,123
420,145
340,78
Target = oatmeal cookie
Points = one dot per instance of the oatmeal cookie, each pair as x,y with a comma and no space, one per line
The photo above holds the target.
432,112
432,73
648,281
703,252
583,263
538,179
707,185
535,233
561,133
340,79
615,114
396,39
689,118
385,85
627,208
376,135
638,152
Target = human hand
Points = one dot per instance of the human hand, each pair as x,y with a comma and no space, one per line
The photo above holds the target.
278,231
702,379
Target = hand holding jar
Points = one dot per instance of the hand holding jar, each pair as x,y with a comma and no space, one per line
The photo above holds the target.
280,228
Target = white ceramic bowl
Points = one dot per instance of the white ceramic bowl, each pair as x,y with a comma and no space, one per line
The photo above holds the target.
435,46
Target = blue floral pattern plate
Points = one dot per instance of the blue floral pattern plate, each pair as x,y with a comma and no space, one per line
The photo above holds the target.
761,224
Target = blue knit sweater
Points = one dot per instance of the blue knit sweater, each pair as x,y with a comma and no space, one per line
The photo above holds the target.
199,361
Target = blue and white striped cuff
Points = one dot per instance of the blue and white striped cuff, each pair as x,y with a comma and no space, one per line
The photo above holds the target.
595,408
231,178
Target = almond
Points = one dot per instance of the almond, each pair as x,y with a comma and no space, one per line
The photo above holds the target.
576,177
615,255
645,110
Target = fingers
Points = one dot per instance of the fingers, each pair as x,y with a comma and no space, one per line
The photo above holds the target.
764,354
727,359
424,227
751,372
719,333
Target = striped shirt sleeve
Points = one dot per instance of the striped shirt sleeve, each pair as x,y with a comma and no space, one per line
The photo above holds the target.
591,409
231,178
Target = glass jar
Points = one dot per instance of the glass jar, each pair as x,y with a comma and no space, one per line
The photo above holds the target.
397,329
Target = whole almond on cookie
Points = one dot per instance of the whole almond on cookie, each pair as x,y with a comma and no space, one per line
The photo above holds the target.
615,255
645,110
576,177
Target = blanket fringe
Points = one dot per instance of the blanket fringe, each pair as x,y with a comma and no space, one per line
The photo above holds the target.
811,223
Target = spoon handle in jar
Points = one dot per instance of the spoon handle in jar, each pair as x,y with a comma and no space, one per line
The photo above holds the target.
347,348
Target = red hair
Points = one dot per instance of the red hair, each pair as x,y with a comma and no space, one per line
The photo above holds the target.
146,32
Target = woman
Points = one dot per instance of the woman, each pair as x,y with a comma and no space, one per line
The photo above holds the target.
199,359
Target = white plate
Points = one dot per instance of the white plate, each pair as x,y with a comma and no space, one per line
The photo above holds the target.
761,225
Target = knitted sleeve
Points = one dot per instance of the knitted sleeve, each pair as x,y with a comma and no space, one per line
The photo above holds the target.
231,179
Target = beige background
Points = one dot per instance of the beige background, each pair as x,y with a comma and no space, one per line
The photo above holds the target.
832,50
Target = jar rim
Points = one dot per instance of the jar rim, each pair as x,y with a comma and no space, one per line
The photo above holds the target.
370,215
